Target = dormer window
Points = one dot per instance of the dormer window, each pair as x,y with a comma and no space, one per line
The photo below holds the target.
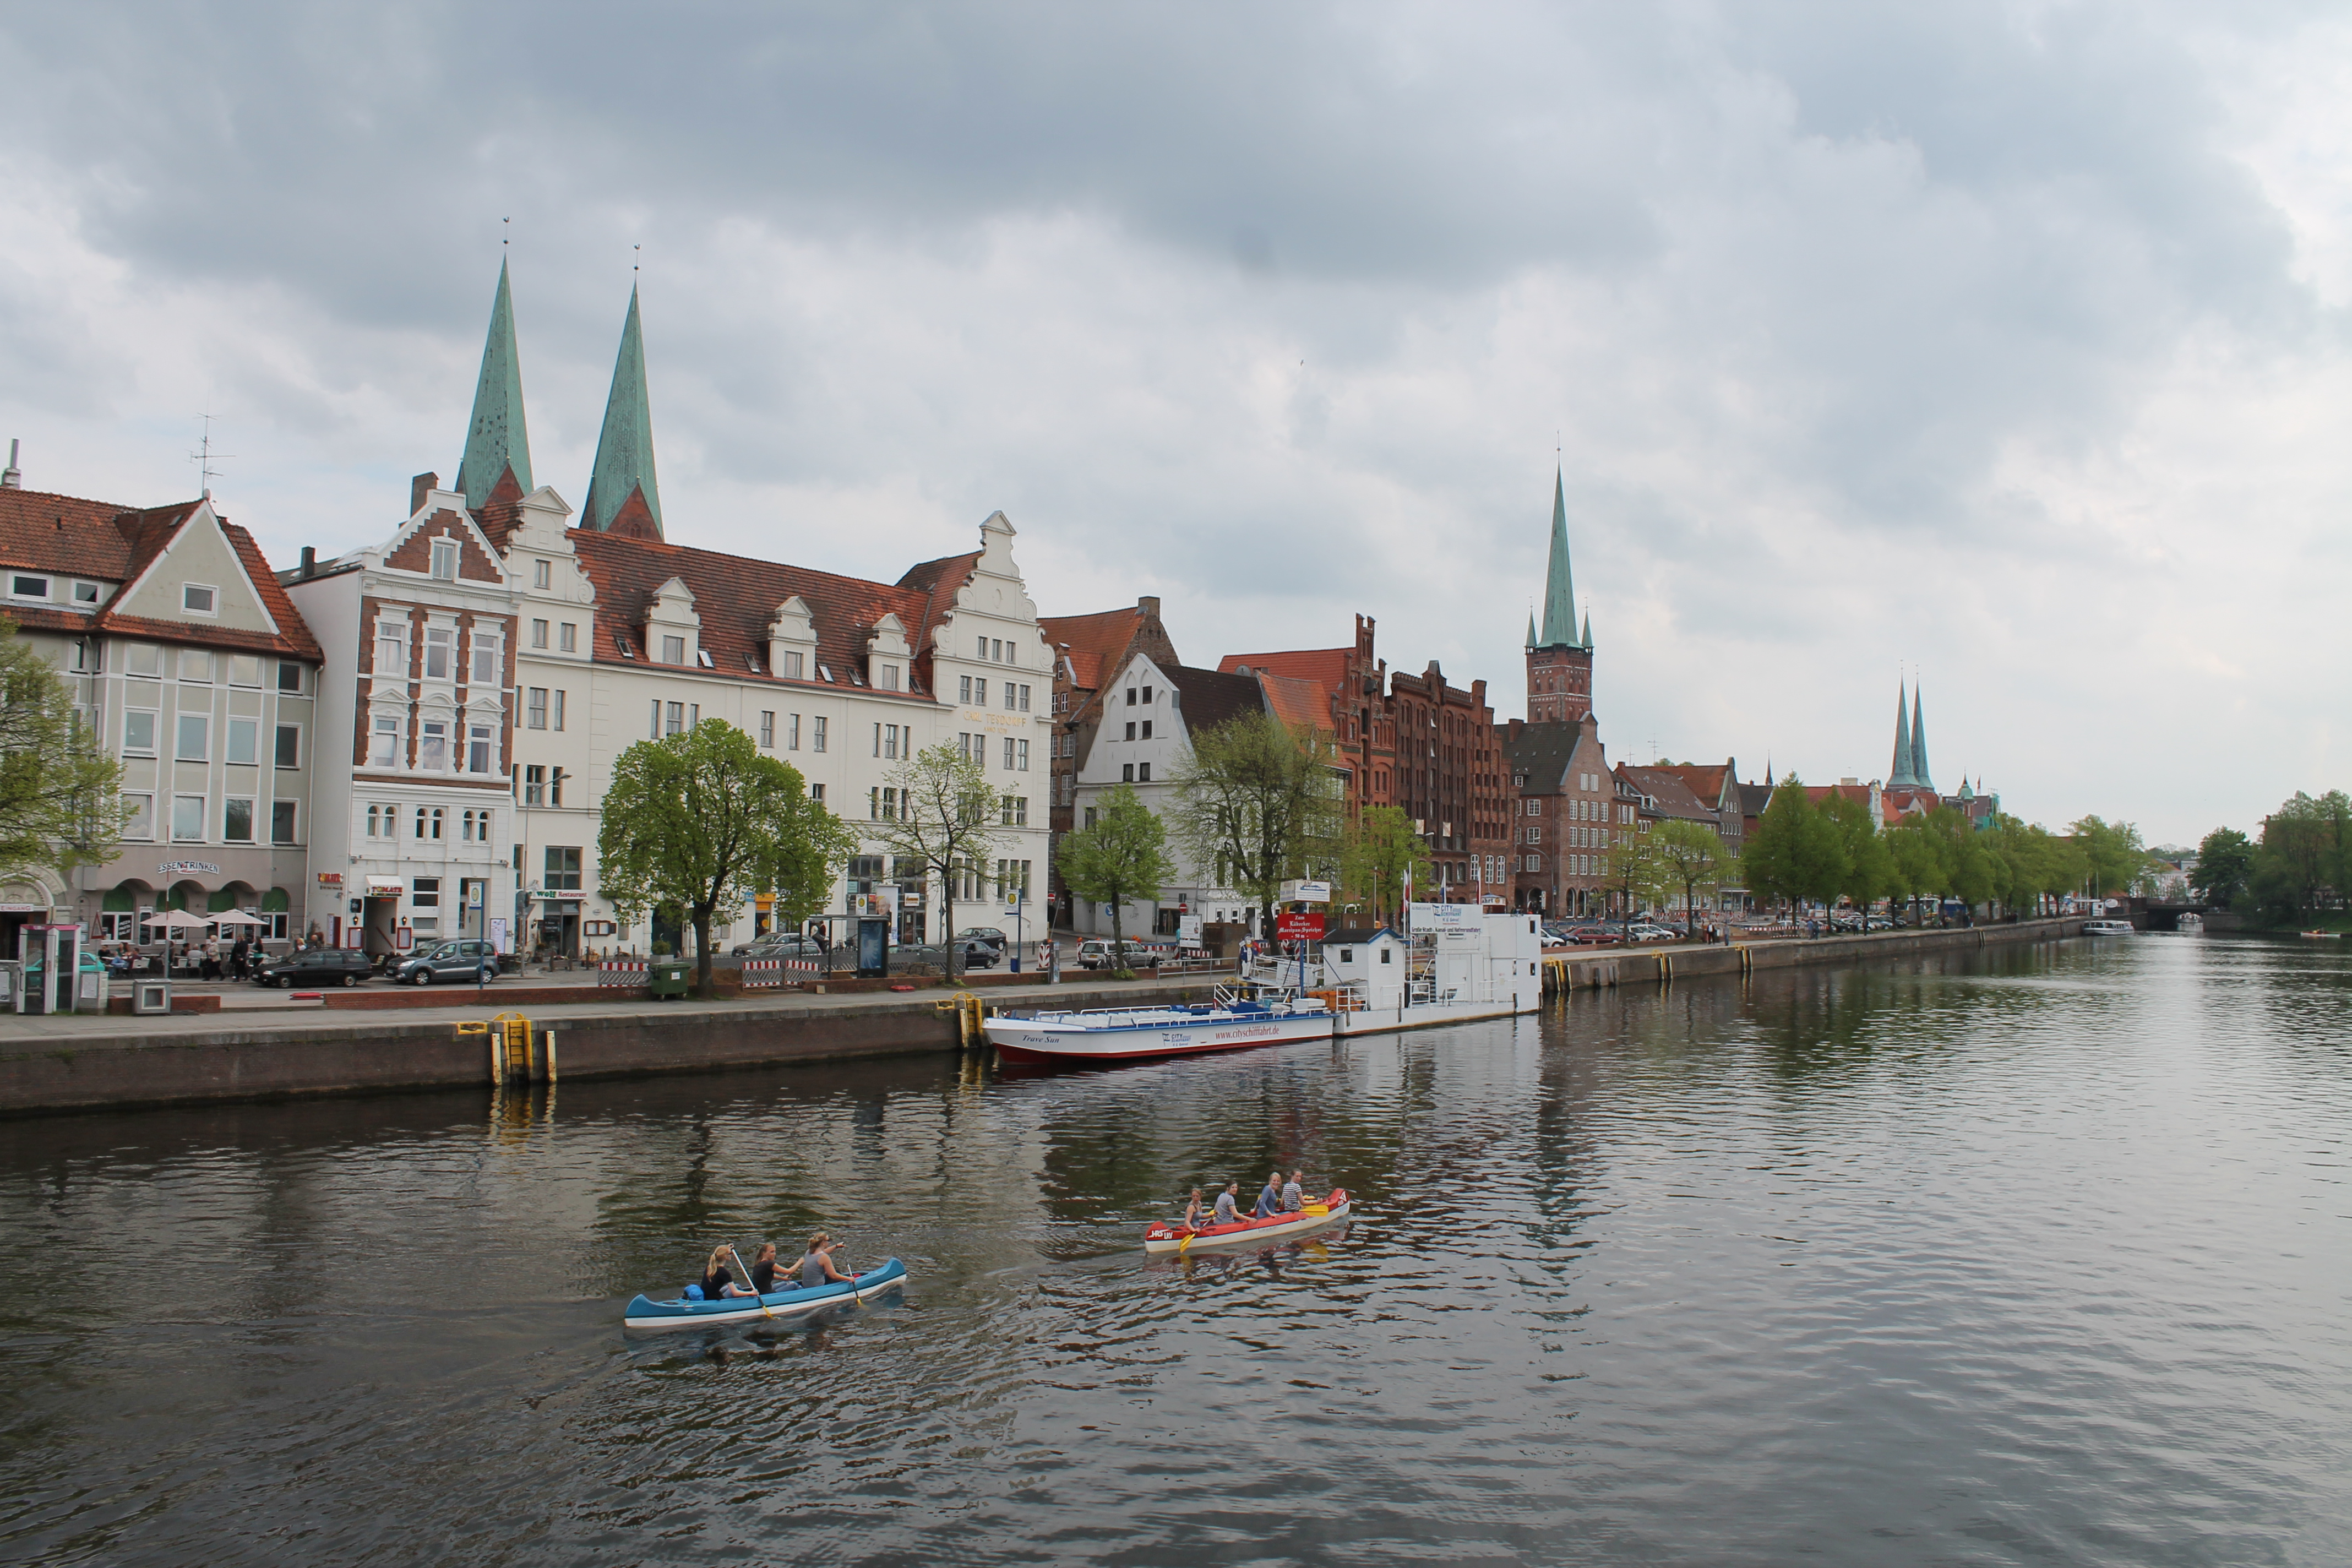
673,650
85,593
703,655
445,560
24,587
793,667
541,573
889,682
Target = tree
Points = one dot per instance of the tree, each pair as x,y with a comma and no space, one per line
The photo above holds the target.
937,810
2034,861
60,792
2225,861
1914,860
703,821
2301,861
1795,851
1635,872
1381,855
1261,800
1869,868
1123,854
1689,855
2113,853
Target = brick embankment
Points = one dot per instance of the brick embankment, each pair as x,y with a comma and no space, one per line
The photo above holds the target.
1578,970
94,1061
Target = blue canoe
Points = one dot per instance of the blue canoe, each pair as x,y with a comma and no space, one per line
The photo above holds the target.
644,1312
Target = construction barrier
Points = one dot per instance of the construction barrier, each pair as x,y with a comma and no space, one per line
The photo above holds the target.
759,972
624,972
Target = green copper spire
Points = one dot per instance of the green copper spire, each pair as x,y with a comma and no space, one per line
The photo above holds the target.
625,451
1900,774
1919,744
495,441
1588,631
1531,629
1559,588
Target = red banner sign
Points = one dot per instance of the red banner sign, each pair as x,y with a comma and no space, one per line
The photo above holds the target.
1294,927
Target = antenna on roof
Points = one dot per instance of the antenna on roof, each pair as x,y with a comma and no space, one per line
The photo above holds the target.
203,454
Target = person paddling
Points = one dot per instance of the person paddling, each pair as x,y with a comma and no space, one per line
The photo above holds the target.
1228,1205
1294,1196
717,1282
1269,1202
763,1272
1194,1215
817,1266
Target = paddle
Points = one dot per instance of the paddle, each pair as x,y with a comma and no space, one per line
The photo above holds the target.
764,1307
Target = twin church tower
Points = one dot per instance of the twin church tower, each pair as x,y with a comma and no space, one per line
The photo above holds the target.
623,497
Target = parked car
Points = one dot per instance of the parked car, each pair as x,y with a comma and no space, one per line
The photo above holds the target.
317,967
775,946
1595,936
466,960
989,934
1095,953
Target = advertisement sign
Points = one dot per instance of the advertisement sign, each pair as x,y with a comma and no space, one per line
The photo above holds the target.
1294,927
498,934
1188,930
1306,892
385,887
188,869
1446,920
330,879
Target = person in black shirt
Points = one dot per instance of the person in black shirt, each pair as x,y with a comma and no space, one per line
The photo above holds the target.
763,1273
717,1282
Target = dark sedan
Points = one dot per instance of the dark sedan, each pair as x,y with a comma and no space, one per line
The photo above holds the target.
315,967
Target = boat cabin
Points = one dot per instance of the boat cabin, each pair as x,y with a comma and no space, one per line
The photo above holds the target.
1374,958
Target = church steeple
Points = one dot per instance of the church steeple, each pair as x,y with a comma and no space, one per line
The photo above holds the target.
1900,774
497,443
1559,583
1919,744
621,494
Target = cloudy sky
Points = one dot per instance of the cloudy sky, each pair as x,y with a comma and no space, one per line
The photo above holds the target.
2004,343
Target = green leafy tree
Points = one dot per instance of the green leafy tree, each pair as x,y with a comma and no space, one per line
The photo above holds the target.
1124,854
1381,854
942,814
60,793
2225,864
2301,861
1690,856
702,821
1635,874
1795,852
1915,856
1971,872
2034,861
2112,854
1260,799
1869,867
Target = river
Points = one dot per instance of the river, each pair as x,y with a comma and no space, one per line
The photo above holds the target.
2037,1255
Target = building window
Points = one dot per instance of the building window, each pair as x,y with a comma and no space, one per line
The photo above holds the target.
474,827
534,709
980,693
428,822
963,689
559,708
244,670
889,682
244,741
673,650
554,788
433,747
391,648
541,574
1131,729
817,793
195,664
563,869
1146,729
139,817
1090,817
188,818
882,803
1021,756
24,587
1143,773
478,748
196,733
445,560
793,667
1013,810
385,752
767,730
567,638
792,731
487,669
139,730
1127,772
439,642
196,599
534,784
1130,697
425,892
674,719
236,820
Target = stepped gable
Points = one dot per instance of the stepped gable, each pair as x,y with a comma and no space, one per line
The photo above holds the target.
736,599
1213,697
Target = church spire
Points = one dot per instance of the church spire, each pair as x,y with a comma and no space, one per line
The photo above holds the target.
497,443
1925,779
1588,631
1560,588
1531,629
1900,774
621,494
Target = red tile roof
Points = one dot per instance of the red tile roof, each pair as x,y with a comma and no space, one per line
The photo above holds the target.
1298,701
1326,667
1094,644
98,540
736,598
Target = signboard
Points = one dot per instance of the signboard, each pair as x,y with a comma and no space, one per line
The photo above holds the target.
498,934
330,879
404,938
1306,892
1445,918
1294,927
188,869
385,887
1188,930
879,905
23,908
568,897
353,935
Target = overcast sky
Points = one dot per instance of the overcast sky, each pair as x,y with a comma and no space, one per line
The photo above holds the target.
2006,343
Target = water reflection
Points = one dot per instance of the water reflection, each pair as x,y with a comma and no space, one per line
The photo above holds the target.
2037,1254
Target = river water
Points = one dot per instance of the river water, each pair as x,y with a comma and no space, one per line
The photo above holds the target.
2040,1256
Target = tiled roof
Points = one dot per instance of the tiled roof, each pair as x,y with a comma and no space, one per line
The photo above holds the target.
1326,667
1705,780
1212,696
1094,644
736,598
1671,795
1754,798
1298,702
1541,752
112,544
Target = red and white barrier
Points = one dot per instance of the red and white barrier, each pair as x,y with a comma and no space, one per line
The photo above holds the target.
624,972
761,972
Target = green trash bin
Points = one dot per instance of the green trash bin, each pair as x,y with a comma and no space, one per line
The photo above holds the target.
670,977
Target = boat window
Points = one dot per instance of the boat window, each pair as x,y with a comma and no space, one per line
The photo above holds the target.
1388,954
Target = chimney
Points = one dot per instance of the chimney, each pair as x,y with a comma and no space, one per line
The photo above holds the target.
1150,604
309,567
12,477
417,488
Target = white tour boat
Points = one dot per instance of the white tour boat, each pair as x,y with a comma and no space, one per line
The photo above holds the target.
1454,963
2107,928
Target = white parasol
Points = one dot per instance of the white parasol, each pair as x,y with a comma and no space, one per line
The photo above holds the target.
236,918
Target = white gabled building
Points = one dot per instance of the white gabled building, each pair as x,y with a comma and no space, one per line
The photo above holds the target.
614,635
